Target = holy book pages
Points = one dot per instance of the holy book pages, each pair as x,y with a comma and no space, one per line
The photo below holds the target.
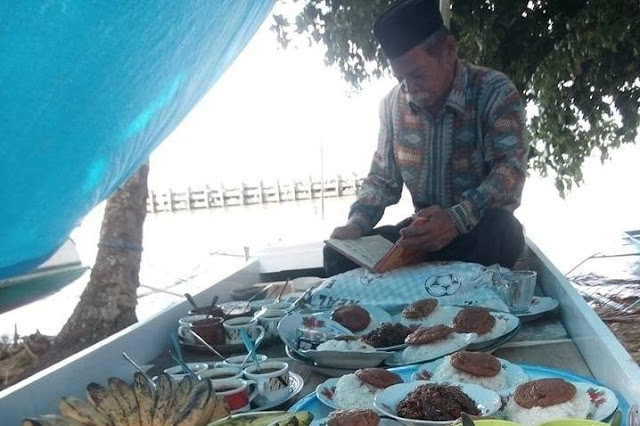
375,253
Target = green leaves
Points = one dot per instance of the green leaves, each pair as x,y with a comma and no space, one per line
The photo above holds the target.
577,61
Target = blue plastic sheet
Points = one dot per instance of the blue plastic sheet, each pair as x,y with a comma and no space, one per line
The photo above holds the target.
88,88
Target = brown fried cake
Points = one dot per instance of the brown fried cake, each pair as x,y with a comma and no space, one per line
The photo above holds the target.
424,335
421,309
476,363
474,319
544,393
353,317
378,377
357,417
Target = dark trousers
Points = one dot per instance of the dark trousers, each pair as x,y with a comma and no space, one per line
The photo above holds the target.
498,238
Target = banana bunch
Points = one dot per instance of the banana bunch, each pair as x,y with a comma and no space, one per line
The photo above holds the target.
274,418
187,403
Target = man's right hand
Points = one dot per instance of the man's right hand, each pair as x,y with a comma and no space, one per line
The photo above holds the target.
347,232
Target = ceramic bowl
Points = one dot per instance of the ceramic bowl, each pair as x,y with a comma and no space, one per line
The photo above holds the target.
573,422
176,373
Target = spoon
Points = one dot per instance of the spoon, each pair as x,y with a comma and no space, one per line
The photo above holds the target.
466,420
284,287
191,300
250,349
137,367
253,352
208,346
178,356
212,306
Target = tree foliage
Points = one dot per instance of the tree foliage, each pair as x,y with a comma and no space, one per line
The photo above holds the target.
576,61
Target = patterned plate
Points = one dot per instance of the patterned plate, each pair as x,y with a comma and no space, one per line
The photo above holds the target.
603,400
460,341
296,383
325,392
539,307
515,374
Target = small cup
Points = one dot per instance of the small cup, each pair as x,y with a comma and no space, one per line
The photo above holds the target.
281,305
517,289
177,374
269,319
272,382
222,373
210,329
236,393
236,361
233,326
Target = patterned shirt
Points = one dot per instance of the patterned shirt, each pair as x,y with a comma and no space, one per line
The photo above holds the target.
471,157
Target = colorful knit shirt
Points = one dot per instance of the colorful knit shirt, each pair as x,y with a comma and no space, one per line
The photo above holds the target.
470,157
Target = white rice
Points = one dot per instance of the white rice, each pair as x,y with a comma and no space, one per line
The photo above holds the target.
345,346
352,393
452,343
497,331
448,373
576,408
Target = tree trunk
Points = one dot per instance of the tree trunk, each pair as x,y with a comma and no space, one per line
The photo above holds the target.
108,303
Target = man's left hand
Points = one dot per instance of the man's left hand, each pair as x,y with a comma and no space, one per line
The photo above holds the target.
432,234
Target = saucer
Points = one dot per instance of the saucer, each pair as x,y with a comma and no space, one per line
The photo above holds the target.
296,383
539,307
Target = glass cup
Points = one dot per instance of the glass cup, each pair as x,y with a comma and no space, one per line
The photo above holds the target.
517,289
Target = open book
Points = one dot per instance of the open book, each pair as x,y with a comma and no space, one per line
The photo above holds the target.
375,253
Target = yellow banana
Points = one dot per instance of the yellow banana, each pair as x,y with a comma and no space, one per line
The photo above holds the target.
162,411
145,397
193,411
82,411
102,399
127,400
51,420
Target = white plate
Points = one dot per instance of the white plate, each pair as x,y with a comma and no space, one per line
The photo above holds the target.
296,383
539,306
505,322
460,340
325,392
378,316
603,400
348,359
488,402
383,422
515,374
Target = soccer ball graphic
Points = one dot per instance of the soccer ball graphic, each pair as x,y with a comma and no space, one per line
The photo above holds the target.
442,285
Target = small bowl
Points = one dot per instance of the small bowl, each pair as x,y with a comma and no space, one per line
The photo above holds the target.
387,401
259,304
305,283
573,422
176,373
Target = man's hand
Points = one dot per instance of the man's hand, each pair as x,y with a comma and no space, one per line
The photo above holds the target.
430,234
347,232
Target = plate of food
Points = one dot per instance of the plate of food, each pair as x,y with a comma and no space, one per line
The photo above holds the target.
347,352
541,400
430,343
404,402
356,390
477,368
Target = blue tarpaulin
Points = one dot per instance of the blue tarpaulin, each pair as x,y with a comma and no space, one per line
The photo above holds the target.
88,88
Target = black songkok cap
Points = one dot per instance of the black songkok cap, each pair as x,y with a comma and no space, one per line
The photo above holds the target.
407,24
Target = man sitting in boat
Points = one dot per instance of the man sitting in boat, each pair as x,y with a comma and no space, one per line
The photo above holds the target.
455,135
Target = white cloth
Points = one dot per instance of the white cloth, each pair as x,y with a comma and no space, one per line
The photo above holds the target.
452,283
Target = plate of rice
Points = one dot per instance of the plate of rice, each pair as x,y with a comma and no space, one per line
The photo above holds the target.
431,351
508,377
352,391
347,352
589,402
